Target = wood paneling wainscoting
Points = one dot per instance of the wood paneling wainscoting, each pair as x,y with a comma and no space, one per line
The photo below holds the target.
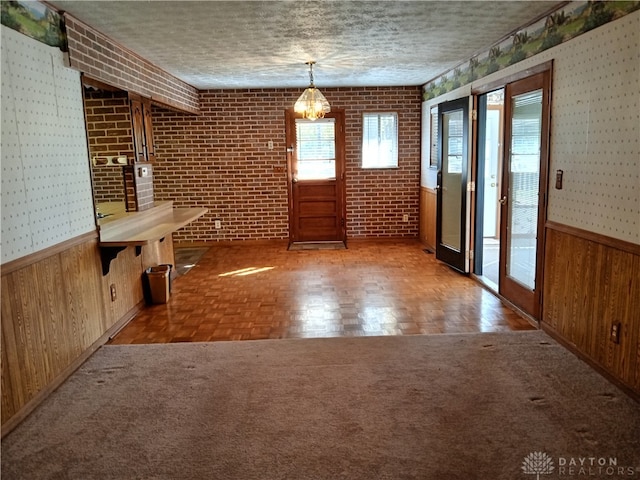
57,310
592,283
428,199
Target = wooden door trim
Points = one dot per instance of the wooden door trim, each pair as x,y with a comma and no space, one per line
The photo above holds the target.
339,115
289,116
514,77
472,176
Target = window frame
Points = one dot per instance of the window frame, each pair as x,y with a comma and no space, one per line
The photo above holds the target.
396,118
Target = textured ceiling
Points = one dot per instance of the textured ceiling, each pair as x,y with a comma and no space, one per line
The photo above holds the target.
238,44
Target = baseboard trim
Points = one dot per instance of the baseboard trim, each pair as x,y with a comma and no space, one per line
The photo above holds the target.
553,333
228,243
32,404
411,238
285,242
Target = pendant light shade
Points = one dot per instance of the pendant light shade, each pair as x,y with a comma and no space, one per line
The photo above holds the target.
312,104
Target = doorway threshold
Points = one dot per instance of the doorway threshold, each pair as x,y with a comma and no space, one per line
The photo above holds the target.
487,283
317,246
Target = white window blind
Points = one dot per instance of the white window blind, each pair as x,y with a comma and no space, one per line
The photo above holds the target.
316,149
433,160
380,140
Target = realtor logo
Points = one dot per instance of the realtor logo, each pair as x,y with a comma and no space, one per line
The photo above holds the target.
537,463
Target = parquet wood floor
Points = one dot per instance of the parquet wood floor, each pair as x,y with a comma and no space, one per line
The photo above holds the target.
372,288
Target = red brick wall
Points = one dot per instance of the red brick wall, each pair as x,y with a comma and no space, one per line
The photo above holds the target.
220,160
102,59
144,187
109,134
139,189
130,188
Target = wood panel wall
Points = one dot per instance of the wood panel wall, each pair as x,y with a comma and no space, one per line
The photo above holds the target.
591,283
57,309
428,199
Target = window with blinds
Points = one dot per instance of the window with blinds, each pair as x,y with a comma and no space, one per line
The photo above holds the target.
526,126
524,182
380,140
455,141
433,158
316,149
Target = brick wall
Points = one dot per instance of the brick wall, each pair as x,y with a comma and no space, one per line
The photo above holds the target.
101,58
108,183
139,189
144,187
130,188
109,134
220,160
378,199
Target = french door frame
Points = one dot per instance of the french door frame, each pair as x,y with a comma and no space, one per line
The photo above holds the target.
528,301
457,259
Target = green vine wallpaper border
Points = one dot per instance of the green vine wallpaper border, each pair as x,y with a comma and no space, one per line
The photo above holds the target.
560,26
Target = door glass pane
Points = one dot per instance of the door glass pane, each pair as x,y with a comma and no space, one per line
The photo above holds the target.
524,175
316,149
452,149
491,154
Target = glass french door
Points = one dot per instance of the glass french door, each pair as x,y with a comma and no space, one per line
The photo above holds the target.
451,212
490,134
523,193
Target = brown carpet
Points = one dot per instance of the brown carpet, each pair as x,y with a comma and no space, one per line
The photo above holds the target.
439,407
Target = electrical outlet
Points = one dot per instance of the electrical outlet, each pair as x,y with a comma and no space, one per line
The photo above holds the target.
218,224
615,332
112,289
405,218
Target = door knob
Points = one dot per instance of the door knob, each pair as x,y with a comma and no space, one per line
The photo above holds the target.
503,200
295,180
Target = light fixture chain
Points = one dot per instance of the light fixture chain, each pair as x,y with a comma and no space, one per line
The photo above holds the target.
311,74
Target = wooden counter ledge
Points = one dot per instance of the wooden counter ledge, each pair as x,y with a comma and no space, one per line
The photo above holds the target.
137,229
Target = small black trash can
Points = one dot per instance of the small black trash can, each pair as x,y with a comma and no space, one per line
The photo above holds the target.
157,284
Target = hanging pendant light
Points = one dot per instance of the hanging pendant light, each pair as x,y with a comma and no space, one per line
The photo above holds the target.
312,104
